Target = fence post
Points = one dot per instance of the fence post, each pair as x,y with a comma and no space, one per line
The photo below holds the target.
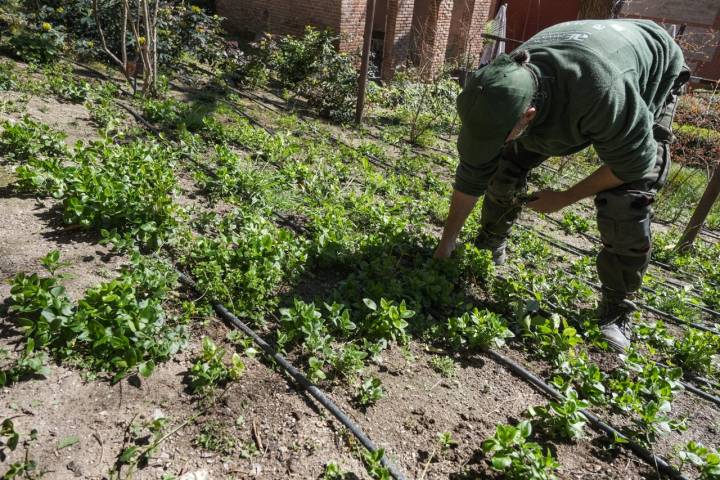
701,212
362,79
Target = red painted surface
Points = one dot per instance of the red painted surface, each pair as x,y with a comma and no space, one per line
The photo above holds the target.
527,17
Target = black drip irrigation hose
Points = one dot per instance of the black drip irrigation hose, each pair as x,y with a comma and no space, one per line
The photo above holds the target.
668,316
316,393
687,385
301,379
657,263
650,458
252,97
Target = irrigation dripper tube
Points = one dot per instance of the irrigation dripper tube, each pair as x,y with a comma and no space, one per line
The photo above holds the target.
650,458
316,393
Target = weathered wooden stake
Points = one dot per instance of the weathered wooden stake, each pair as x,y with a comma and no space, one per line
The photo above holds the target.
362,79
712,191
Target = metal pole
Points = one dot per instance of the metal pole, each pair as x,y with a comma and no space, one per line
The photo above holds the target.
362,79
712,191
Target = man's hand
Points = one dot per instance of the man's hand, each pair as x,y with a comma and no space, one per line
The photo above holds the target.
549,201
444,249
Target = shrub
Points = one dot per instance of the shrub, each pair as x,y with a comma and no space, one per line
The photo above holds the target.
117,327
38,44
310,65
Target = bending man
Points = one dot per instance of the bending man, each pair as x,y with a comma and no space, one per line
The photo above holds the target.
612,84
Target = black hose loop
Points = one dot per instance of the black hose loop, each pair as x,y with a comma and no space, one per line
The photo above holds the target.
650,458
301,379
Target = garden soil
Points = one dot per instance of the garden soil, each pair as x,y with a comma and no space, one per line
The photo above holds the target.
279,431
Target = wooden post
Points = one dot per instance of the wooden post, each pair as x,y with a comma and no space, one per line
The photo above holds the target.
712,191
362,79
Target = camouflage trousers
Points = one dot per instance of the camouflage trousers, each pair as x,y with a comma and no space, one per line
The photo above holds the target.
623,214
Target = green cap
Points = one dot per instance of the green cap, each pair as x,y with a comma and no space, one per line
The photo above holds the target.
492,102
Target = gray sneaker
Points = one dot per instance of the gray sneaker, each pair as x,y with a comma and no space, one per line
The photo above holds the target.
497,247
615,323
614,335
499,255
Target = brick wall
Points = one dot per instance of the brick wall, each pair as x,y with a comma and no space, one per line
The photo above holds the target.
420,29
465,42
352,25
701,40
398,36
279,16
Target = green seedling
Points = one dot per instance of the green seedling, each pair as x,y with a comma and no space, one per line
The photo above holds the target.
479,329
210,370
511,453
370,392
562,420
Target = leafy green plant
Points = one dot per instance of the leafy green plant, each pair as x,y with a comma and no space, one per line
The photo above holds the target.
646,390
655,334
349,361
373,463
572,222
577,371
117,327
210,370
561,419
26,468
311,66
387,321
30,363
550,336
125,191
41,43
245,262
7,77
443,365
28,139
370,392
477,264
705,459
333,471
697,352
478,329
512,454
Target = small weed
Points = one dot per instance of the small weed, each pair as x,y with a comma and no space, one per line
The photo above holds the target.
215,437
370,392
515,457
209,369
443,365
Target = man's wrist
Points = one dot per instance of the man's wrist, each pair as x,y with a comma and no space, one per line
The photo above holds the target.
570,196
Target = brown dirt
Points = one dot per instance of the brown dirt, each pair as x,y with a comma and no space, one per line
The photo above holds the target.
298,437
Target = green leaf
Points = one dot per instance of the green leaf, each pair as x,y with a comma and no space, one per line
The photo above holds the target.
67,442
501,463
370,304
127,455
146,368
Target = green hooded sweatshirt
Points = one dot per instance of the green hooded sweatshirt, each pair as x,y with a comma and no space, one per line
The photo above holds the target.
602,82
